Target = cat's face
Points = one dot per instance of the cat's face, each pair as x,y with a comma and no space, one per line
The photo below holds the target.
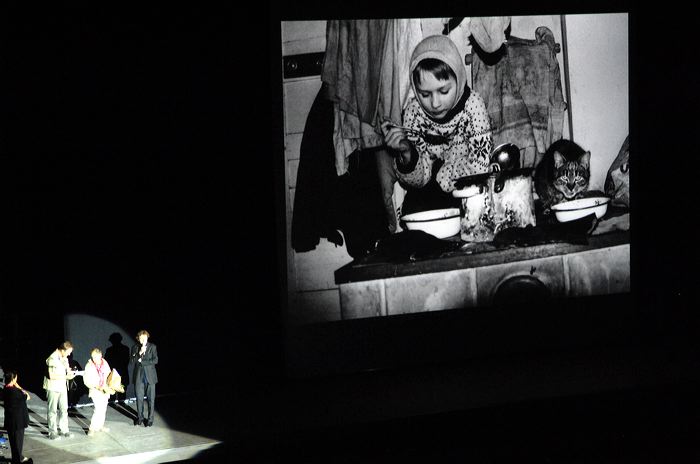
571,177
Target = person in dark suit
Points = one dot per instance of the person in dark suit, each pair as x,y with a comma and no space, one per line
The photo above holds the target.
143,359
16,415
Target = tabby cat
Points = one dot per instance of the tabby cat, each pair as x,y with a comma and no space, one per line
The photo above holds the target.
562,174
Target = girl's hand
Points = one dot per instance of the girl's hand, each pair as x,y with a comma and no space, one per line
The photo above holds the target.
395,138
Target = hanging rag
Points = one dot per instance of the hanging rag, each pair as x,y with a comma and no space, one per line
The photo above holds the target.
395,86
403,36
523,95
352,65
325,203
489,32
349,135
316,183
368,83
352,70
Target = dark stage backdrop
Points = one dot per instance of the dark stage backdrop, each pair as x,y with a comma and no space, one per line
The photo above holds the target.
121,172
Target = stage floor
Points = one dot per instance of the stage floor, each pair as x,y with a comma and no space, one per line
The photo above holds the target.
180,432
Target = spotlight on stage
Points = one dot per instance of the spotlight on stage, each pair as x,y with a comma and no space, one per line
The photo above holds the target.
86,332
178,433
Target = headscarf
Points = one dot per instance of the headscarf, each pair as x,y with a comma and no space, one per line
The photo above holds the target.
442,48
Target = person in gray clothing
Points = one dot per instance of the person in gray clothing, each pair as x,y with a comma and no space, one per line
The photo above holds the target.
142,360
58,372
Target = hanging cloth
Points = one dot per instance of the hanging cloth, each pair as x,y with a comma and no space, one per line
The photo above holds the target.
523,95
366,70
395,86
489,32
352,65
352,71
368,82
316,183
326,204
403,36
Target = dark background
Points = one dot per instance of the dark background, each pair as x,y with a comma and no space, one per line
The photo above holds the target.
120,169
140,162
118,179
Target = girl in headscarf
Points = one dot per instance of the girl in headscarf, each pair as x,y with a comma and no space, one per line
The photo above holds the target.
449,132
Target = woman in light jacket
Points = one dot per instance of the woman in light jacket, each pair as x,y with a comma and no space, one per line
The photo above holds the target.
95,378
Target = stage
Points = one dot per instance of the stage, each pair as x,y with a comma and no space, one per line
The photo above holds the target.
181,432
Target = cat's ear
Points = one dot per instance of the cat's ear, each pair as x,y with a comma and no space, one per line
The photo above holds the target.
558,160
585,160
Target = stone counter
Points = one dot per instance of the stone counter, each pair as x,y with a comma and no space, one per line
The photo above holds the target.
466,278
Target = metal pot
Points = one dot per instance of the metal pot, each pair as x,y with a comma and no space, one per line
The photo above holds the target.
496,200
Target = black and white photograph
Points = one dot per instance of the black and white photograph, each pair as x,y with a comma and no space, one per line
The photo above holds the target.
525,198
461,279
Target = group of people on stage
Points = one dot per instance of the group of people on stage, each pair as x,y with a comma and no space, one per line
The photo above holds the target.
143,358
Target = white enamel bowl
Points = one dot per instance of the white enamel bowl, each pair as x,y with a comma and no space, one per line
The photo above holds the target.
575,209
441,223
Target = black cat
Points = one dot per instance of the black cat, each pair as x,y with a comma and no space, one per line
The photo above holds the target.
562,174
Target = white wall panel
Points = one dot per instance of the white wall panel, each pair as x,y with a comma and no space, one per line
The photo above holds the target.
300,37
315,269
299,95
599,62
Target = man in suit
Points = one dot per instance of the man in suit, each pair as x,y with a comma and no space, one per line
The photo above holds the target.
143,359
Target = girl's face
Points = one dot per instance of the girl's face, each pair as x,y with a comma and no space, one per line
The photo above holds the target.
437,97
96,357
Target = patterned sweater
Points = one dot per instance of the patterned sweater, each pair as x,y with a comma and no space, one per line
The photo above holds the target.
466,153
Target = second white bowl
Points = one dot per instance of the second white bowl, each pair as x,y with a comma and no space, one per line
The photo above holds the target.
575,209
